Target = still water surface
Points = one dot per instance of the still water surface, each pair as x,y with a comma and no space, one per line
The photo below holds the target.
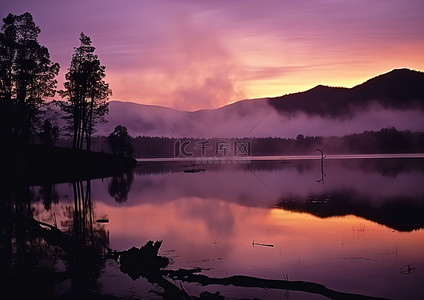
356,226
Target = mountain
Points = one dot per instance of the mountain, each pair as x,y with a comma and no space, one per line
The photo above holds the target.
394,99
398,89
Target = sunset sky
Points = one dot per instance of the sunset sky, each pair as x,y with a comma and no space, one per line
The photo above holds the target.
191,55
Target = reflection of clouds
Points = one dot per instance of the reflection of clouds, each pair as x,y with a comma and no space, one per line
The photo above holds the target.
305,247
199,227
217,215
210,219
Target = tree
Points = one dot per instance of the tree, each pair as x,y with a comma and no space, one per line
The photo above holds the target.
49,133
120,142
27,76
86,92
300,138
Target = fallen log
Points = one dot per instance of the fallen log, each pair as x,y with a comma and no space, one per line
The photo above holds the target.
248,281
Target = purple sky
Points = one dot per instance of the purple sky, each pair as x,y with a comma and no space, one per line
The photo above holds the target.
205,54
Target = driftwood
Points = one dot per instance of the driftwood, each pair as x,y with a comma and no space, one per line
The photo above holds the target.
248,281
143,261
146,262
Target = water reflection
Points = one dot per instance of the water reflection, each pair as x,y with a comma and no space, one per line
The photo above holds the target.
322,166
357,233
385,191
48,195
210,220
120,186
36,257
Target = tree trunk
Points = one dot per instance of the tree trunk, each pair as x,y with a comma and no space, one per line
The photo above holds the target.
90,123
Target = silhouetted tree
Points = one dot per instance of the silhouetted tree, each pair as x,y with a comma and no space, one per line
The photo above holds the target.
27,76
86,92
49,133
300,138
120,142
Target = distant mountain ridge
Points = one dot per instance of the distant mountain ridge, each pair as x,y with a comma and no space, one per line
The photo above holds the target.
398,89
393,99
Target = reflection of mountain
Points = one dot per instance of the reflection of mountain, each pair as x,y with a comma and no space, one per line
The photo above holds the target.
400,213
386,191
385,101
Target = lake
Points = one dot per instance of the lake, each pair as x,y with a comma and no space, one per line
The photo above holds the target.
353,224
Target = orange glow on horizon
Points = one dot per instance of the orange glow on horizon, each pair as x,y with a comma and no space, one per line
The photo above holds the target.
240,69
144,91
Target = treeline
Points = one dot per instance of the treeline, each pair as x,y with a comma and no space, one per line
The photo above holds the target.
387,140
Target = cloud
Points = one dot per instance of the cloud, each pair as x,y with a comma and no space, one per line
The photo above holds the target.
211,91
196,72
202,54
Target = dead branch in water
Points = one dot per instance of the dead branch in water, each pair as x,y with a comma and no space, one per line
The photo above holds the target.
248,281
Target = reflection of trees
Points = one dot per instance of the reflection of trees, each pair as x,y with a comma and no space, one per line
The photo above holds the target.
30,250
22,251
120,186
88,239
49,195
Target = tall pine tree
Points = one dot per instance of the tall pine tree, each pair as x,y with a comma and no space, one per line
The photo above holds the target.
86,92
27,77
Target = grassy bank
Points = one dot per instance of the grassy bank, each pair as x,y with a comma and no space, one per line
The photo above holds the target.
36,164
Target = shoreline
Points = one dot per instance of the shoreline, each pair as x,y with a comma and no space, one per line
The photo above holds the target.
36,164
242,159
